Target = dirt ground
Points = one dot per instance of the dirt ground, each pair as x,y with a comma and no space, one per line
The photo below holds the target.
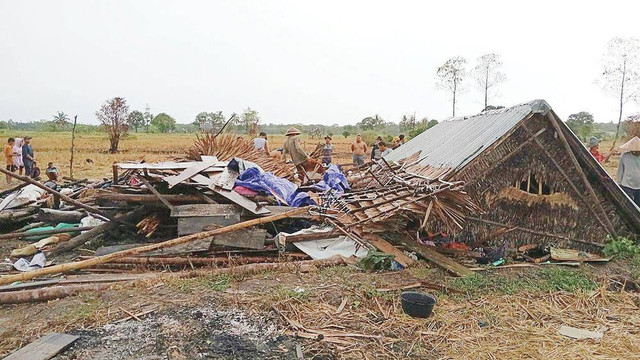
500,314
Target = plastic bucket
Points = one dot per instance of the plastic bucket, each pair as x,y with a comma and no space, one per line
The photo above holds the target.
417,304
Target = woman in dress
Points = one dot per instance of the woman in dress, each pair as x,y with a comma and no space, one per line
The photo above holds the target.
17,155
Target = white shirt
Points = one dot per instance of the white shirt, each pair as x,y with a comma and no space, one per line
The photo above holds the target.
258,143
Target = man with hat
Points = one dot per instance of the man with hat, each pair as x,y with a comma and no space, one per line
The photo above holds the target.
629,169
327,150
301,160
594,148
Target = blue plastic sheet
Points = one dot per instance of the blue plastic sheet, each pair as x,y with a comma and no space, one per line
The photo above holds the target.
271,184
333,179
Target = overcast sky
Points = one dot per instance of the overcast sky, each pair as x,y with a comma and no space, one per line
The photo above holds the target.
300,61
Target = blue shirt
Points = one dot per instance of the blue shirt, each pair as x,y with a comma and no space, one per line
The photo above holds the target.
27,150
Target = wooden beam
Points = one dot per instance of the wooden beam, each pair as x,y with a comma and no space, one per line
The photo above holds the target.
436,258
146,198
384,246
44,348
188,173
586,182
156,193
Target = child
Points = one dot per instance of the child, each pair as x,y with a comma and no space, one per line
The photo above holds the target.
52,172
8,156
327,150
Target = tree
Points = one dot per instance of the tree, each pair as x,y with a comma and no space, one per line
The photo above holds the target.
214,119
370,123
148,116
250,119
113,117
346,134
487,74
163,122
408,122
60,119
450,77
621,73
136,119
581,124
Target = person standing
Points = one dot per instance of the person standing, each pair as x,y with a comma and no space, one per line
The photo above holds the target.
327,150
359,149
300,159
375,151
629,169
594,149
384,150
28,158
261,144
17,156
8,157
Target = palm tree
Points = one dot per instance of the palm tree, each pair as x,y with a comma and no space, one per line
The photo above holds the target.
61,119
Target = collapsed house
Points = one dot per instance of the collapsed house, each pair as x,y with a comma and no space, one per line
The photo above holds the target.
528,171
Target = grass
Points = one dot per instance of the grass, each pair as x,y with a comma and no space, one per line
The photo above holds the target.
282,293
547,280
201,283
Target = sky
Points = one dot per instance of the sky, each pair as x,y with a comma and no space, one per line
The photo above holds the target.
327,62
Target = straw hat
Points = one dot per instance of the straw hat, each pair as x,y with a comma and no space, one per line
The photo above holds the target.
631,145
292,131
593,141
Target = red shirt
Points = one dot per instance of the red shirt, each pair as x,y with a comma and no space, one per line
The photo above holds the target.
596,154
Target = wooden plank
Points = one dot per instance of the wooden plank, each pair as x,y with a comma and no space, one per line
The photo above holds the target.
169,165
187,173
252,238
382,245
44,348
240,200
201,210
156,193
435,257
192,225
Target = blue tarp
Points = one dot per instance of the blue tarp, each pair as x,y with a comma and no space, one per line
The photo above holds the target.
271,184
333,179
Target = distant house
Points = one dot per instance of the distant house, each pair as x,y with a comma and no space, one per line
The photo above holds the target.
532,176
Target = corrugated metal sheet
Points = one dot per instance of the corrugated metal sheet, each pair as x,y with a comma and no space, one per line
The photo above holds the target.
455,142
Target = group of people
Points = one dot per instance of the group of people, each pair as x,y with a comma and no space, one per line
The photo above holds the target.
19,157
304,163
628,174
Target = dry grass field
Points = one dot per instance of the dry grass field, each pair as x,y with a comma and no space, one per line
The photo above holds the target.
55,147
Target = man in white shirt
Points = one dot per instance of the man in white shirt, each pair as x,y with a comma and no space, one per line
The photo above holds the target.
261,144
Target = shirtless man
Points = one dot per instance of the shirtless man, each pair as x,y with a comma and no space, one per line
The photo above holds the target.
359,149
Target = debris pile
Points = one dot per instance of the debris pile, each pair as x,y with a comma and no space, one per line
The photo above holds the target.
226,205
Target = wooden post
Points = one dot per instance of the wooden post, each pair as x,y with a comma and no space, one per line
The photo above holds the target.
62,268
114,169
586,182
73,138
155,192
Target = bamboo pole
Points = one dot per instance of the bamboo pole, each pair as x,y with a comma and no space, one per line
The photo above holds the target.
56,193
62,268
